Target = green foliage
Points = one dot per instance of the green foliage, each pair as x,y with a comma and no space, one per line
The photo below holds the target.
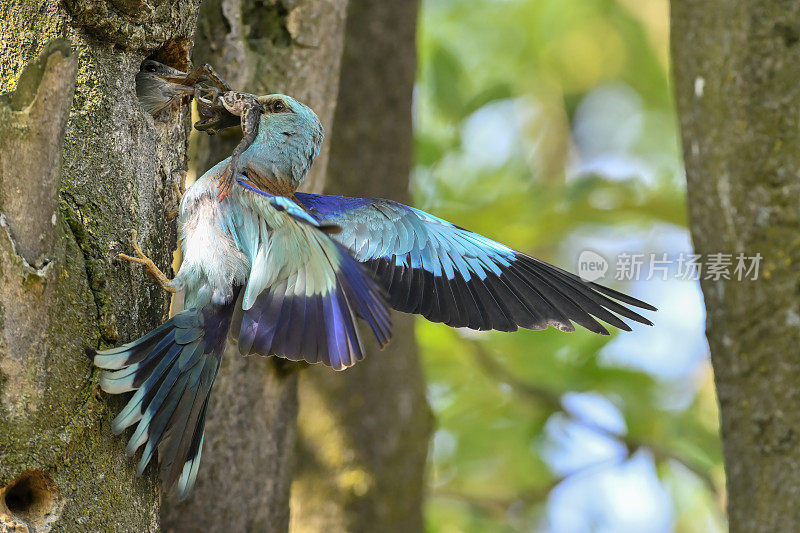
535,63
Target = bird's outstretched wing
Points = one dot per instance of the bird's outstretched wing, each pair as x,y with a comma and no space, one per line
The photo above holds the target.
304,290
448,274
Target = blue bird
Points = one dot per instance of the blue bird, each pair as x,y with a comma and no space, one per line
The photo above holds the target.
286,273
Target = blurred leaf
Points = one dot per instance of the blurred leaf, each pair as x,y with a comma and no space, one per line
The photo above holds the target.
549,58
429,149
496,91
447,83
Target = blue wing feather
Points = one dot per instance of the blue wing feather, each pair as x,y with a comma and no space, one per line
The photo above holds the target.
448,274
305,290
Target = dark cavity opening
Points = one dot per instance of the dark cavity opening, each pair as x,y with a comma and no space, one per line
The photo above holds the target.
29,496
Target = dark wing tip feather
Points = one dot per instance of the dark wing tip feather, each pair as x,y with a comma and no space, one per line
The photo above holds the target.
527,293
622,297
597,295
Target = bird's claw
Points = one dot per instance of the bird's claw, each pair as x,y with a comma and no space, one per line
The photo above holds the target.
140,258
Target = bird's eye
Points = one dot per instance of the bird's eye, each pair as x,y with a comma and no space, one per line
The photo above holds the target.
150,68
278,106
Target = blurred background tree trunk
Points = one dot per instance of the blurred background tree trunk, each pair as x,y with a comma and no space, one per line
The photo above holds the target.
260,47
363,433
736,73
81,165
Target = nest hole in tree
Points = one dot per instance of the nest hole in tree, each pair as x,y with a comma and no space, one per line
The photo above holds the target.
31,496
154,94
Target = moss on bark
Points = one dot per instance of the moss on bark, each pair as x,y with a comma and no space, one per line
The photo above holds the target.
112,164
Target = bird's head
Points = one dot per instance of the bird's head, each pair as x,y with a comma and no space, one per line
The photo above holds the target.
283,115
158,86
288,130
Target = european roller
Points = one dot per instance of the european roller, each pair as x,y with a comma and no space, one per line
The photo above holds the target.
285,273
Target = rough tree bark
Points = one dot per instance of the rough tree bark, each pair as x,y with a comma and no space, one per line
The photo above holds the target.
77,174
259,46
736,73
363,433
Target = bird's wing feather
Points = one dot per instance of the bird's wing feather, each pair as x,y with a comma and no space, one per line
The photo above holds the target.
448,274
304,290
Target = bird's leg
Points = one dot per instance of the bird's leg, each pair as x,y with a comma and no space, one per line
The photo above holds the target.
250,117
148,265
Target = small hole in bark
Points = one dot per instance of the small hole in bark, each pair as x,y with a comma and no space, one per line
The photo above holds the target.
175,53
31,496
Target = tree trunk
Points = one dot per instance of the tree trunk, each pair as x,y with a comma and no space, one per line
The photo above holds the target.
363,433
736,73
77,174
246,472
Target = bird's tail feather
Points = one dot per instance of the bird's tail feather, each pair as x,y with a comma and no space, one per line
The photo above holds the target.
172,370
